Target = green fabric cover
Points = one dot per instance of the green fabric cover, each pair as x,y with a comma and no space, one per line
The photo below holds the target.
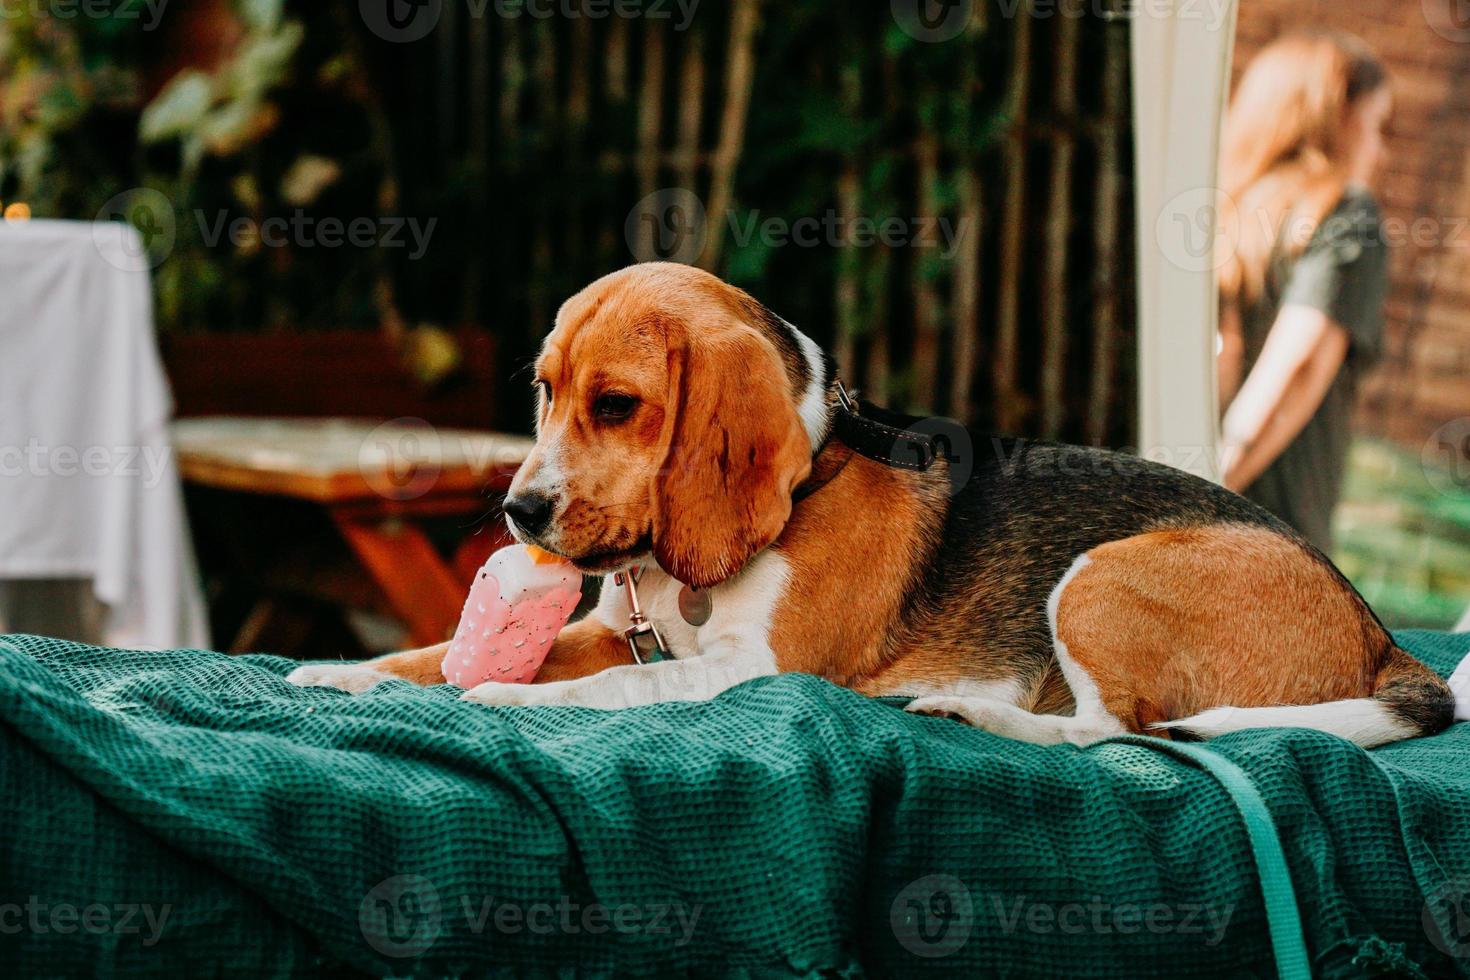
789,826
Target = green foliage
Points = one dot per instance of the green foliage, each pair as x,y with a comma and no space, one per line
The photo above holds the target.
227,110
1403,538
59,76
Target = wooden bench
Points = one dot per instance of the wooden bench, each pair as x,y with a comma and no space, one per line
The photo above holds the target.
377,482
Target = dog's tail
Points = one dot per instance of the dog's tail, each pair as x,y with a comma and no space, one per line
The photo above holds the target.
1408,700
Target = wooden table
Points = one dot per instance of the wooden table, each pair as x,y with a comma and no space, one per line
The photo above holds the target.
376,482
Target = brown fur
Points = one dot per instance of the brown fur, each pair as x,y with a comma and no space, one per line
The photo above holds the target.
845,633
582,649
421,666
1174,623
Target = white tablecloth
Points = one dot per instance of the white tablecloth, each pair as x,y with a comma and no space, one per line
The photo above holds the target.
89,487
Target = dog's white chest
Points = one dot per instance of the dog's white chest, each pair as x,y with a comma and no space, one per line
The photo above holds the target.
741,610
660,596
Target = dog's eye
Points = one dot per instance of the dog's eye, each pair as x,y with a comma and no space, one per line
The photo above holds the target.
614,408
544,387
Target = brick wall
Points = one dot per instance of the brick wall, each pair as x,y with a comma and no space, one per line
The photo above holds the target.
1424,380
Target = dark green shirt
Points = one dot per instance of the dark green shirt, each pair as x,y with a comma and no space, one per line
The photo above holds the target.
1344,273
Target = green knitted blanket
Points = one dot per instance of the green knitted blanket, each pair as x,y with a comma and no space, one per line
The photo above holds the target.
188,812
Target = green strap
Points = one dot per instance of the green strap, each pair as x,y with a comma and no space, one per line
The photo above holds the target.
1282,917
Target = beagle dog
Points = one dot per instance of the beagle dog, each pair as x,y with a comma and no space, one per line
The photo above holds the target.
1043,592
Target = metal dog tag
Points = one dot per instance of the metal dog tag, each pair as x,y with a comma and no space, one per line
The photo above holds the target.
695,606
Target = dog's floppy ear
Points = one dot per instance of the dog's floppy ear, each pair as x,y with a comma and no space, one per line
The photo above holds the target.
736,450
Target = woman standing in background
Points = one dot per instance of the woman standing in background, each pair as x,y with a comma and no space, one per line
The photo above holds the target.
1301,296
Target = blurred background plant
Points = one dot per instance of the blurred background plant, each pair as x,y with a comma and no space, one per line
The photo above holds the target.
71,90
529,142
1403,535
219,110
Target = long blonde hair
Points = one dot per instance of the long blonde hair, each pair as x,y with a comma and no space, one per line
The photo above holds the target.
1282,166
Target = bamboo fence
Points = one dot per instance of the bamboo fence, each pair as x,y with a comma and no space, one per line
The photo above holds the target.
537,138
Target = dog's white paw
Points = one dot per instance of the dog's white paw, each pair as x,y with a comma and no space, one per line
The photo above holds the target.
352,678
971,711
496,695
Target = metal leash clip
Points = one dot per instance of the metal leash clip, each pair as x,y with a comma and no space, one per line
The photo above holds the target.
643,638
847,400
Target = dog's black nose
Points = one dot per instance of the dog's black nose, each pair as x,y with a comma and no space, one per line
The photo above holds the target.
530,511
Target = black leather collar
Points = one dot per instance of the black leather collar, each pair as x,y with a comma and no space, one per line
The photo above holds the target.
860,426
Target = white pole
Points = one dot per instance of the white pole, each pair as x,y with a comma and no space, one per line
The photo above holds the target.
1181,73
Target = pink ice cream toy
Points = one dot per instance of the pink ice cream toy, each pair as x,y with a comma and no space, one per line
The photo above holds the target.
520,600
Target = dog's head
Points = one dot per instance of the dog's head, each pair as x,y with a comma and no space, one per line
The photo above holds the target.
669,421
